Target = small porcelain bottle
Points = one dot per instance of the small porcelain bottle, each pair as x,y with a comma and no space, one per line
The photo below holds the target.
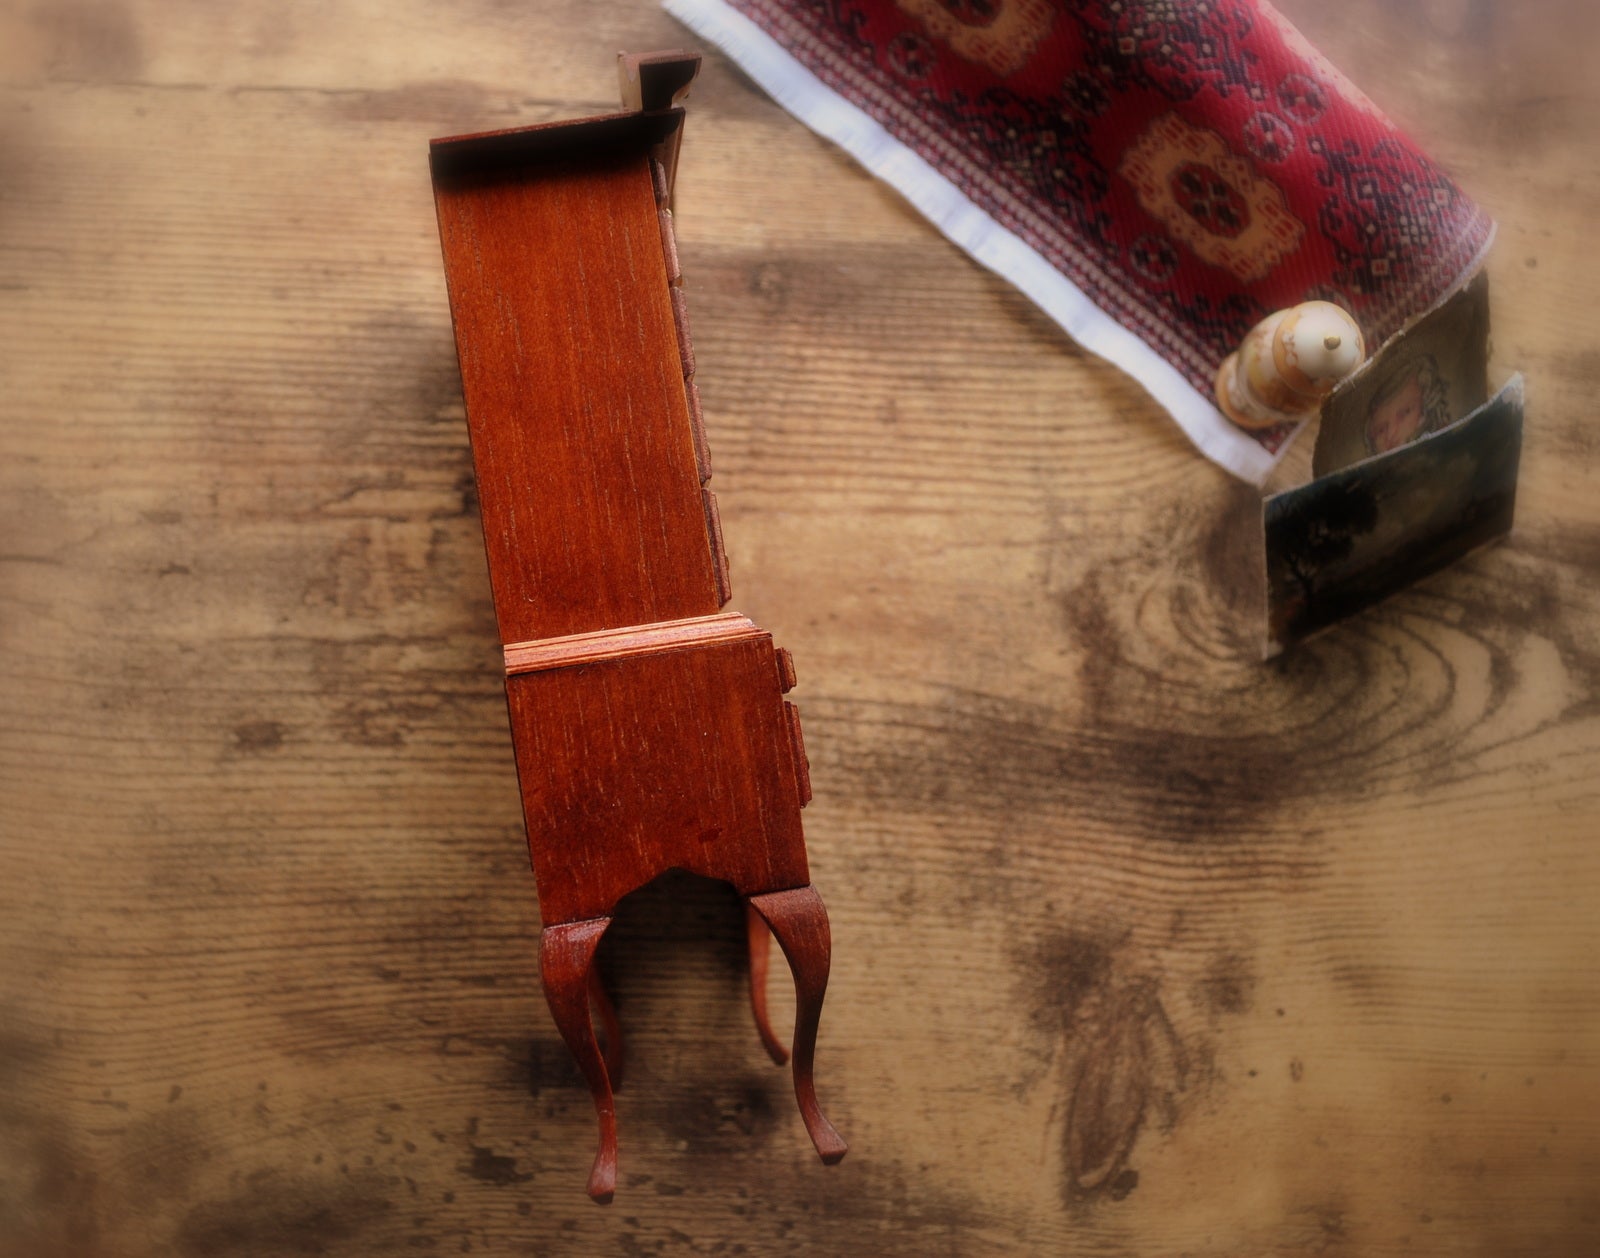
1288,363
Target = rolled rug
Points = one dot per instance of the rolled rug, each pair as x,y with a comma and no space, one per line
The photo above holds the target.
1158,175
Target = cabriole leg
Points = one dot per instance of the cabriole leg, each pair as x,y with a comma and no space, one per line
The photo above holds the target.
610,1027
760,942
566,958
800,922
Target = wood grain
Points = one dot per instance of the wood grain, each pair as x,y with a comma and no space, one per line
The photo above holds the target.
679,760
612,644
1139,947
569,339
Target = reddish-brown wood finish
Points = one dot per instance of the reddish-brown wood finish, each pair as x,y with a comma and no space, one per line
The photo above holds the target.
570,363
650,728
759,942
799,920
610,1027
631,767
566,965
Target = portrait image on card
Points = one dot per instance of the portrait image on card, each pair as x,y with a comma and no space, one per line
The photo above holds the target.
1427,376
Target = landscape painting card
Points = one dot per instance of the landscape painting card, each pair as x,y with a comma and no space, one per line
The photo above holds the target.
1350,539
1424,379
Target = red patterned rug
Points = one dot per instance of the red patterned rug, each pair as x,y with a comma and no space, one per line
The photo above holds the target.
1158,175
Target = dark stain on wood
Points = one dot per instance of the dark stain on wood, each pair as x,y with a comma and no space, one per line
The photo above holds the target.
1140,770
255,737
405,413
19,1053
1066,971
1107,1097
440,104
734,1116
1123,1063
59,1192
1185,734
795,1213
1330,1222
166,1151
52,1200
1575,547
387,720
1228,985
278,1214
1533,586
1232,558
489,1167
95,42
1125,1182
550,1067
769,281
1181,720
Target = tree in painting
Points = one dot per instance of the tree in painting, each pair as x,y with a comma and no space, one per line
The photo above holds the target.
1346,512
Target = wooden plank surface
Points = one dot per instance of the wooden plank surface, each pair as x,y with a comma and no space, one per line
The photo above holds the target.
1141,947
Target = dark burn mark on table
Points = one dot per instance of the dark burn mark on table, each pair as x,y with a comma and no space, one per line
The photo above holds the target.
386,721
1369,983
404,416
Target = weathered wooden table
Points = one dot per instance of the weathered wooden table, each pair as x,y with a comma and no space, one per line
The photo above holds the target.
1141,946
